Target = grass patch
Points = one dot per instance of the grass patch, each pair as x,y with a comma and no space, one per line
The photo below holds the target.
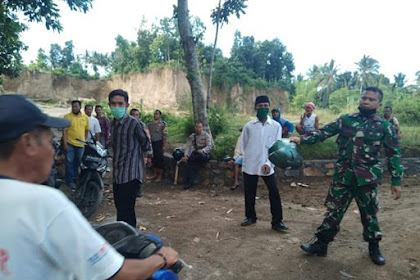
324,150
410,141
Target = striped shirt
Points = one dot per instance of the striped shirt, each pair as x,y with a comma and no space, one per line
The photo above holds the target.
129,141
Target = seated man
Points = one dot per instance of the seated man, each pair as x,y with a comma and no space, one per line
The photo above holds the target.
197,153
237,157
43,235
287,127
308,121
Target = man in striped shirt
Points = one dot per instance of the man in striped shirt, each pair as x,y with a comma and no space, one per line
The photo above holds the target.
129,142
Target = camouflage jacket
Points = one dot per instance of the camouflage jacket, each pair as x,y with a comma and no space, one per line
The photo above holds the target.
359,142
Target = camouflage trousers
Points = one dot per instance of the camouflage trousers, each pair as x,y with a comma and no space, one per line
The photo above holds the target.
338,200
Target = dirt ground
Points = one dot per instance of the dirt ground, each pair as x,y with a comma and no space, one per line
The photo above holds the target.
203,225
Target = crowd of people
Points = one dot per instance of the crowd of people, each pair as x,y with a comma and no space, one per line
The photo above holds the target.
54,240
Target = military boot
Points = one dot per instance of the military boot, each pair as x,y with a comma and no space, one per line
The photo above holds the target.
375,254
316,246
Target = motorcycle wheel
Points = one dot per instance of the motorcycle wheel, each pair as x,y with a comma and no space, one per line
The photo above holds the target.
91,200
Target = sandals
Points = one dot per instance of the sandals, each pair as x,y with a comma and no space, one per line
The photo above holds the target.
234,187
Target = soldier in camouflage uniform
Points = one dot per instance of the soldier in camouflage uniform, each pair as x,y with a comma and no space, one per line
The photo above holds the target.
357,171
158,133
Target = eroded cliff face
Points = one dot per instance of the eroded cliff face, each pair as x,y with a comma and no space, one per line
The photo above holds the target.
160,88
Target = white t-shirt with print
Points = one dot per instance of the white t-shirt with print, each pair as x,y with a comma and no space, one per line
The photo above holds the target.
44,236
94,127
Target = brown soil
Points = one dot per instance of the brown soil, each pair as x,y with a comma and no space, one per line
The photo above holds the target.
203,225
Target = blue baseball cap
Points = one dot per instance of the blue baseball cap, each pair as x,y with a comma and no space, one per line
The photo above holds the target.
19,115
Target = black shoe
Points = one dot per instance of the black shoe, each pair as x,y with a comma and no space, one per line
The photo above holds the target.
375,254
280,227
188,186
317,248
248,222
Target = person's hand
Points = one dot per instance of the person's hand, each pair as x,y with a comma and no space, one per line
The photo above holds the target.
65,147
200,151
170,255
107,142
185,159
295,140
396,191
266,169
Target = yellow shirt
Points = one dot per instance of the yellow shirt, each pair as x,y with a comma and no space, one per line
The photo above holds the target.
77,129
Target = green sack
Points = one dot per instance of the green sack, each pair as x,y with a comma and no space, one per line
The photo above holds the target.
284,154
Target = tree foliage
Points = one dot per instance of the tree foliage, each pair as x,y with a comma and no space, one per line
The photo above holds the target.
11,27
220,15
368,67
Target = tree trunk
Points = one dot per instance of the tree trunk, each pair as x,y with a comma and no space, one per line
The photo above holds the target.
213,51
193,75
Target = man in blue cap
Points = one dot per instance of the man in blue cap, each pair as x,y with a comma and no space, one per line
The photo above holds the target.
287,126
257,137
41,230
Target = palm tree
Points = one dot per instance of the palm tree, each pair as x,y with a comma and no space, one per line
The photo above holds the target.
327,80
368,68
313,73
399,80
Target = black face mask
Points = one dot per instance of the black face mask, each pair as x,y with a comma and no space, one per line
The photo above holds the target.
367,112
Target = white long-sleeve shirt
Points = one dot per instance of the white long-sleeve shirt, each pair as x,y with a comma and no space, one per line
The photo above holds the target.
238,148
256,140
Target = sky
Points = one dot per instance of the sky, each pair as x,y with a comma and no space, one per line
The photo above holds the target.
313,31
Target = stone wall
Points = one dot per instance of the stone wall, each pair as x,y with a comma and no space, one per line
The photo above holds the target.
218,173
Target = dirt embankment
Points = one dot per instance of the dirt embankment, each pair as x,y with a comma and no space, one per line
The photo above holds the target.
160,88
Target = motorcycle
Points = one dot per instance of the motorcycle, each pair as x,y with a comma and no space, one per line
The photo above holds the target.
53,179
89,189
133,243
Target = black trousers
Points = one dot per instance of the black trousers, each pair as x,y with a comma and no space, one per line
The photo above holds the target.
195,162
125,201
158,160
250,185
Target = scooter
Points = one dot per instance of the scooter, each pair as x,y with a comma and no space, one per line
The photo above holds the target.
133,243
89,189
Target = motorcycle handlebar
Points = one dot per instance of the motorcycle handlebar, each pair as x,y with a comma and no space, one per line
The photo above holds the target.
176,267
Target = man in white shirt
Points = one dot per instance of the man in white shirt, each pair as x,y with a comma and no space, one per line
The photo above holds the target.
257,137
42,233
94,126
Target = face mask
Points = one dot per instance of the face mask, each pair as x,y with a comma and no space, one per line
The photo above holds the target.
366,112
118,112
262,113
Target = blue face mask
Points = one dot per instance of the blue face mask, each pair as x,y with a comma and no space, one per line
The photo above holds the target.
118,112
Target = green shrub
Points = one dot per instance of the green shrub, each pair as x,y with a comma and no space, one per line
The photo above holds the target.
324,150
407,111
225,145
344,99
179,127
218,119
